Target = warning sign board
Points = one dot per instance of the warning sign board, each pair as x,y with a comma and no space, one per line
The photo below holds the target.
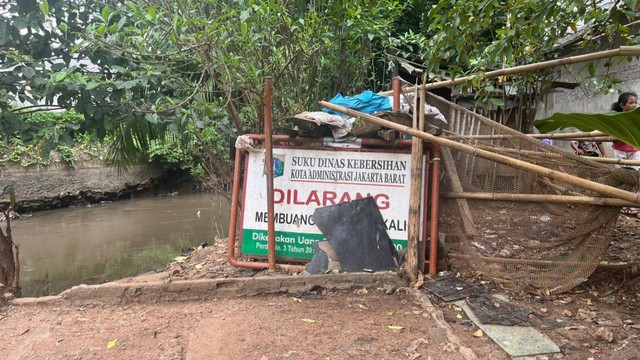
305,179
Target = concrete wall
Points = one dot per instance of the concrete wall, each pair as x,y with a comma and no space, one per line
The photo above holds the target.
40,187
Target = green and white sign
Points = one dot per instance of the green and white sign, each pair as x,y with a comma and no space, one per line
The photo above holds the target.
305,179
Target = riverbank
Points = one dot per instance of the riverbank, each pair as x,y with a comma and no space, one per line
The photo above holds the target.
59,185
90,180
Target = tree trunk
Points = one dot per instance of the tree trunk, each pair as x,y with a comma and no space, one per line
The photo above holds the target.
9,266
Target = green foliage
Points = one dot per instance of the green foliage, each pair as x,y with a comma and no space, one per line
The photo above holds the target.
169,153
67,154
470,37
42,132
89,143
624,126
26,155
173,69
166,80
51,128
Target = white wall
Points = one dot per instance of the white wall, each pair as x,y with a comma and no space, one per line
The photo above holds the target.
583,99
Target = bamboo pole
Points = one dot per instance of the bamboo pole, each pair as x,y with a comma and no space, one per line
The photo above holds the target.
558,136
601,265
621,51
518,164
498,149
494,125
602,160
545,198
413,230
614,161
463,206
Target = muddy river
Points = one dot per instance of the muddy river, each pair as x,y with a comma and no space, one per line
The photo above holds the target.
91,245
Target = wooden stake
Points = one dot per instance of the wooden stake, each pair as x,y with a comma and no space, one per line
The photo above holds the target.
463,206
518,164
602,265
413,229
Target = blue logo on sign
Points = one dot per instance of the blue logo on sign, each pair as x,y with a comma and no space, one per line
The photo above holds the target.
278,167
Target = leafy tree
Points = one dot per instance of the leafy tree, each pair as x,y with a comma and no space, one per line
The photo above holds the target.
471,37
188,61
183,68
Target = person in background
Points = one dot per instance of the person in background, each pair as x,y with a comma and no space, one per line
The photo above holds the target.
588,148
627,101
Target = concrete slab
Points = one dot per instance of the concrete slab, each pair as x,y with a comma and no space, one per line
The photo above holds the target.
515,340
206,289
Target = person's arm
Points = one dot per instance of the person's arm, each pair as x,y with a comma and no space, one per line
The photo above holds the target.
574,146
601,149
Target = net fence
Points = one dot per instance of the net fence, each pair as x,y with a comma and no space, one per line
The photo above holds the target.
534,242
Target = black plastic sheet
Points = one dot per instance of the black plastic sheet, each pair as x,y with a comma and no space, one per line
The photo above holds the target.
490,310
357,234
451,288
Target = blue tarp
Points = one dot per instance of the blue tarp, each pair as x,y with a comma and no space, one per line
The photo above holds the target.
367,102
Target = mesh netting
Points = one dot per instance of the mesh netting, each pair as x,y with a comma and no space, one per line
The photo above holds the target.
535,243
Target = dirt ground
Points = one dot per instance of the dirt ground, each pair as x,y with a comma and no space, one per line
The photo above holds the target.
332,326
598,320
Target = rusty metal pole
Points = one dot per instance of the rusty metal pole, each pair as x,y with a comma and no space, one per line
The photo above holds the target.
396,93
268,162
435,201
424,233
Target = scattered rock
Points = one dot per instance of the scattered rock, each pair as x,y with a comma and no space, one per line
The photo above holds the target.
568,347
505,253
610,323
604,334
389,289
585,315
412,352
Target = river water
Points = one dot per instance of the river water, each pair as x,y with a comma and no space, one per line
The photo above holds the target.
91,245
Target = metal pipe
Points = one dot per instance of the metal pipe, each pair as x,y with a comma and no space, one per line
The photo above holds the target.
435,202
304,140
231,242
425,218
233,222
268,162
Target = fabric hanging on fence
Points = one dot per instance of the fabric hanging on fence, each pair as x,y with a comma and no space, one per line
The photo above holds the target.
367,102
